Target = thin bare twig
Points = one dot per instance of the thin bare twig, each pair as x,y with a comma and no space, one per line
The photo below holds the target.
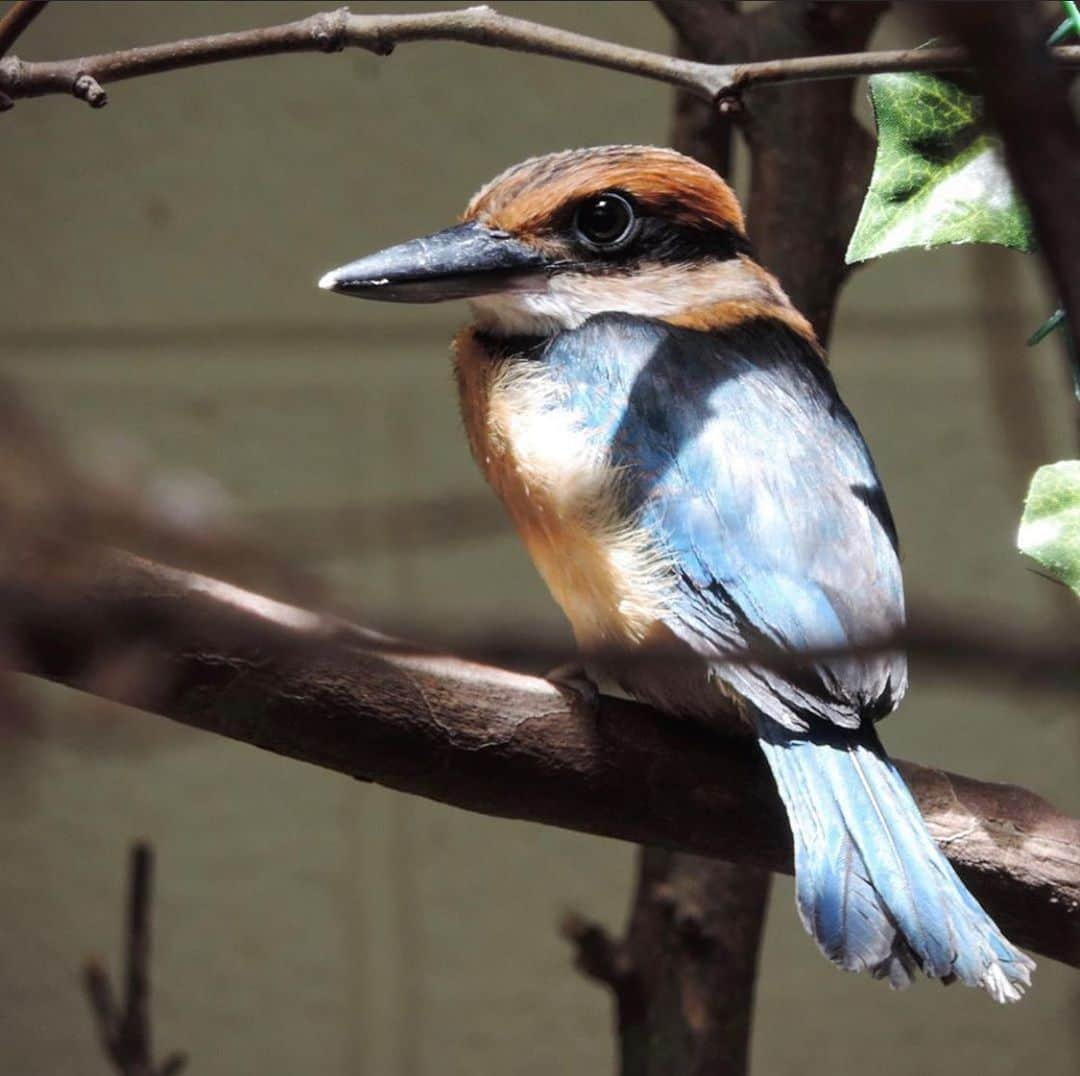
508,745
16,19
336,30
125,1034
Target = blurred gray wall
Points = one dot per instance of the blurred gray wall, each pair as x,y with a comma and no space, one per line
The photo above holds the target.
158,304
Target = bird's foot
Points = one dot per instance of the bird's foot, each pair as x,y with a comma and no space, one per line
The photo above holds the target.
572,678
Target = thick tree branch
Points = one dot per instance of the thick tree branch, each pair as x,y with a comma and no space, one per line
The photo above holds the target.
683,976
695,931
493,741
336,30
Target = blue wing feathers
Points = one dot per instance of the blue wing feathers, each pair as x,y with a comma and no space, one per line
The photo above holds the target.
743,464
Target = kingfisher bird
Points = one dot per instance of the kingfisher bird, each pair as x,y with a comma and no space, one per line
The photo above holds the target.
661,426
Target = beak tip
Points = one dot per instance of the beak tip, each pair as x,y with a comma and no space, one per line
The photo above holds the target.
456,263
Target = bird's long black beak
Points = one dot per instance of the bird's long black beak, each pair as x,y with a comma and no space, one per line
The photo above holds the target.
466,260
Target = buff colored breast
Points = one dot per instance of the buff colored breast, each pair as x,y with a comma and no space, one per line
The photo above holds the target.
553,476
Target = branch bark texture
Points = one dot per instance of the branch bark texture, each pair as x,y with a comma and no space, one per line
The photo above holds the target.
683,977
332,31
492,741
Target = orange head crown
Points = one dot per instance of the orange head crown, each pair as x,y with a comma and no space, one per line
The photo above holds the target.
540,196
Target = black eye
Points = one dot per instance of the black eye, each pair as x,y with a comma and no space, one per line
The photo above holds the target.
605,220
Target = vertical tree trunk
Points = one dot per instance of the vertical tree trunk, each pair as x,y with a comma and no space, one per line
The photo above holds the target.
683,976
694,935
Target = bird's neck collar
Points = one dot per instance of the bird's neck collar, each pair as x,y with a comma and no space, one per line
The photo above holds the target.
707,296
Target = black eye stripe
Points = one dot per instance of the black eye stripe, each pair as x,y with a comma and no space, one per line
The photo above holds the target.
662,242
666,241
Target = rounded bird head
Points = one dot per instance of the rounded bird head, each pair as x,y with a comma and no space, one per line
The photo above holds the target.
557,239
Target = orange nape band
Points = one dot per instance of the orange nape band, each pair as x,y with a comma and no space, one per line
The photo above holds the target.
729,314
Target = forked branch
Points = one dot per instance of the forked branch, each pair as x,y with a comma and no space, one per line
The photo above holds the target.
333,31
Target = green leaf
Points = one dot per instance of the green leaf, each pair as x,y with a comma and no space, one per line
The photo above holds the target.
1072,15
939,176
1050,527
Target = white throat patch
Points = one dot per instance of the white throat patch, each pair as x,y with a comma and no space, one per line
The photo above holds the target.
566,300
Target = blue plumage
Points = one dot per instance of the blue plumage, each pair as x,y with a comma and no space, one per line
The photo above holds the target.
657,418
871,886
740,461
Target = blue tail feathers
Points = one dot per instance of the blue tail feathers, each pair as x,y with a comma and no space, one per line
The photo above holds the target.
872,888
